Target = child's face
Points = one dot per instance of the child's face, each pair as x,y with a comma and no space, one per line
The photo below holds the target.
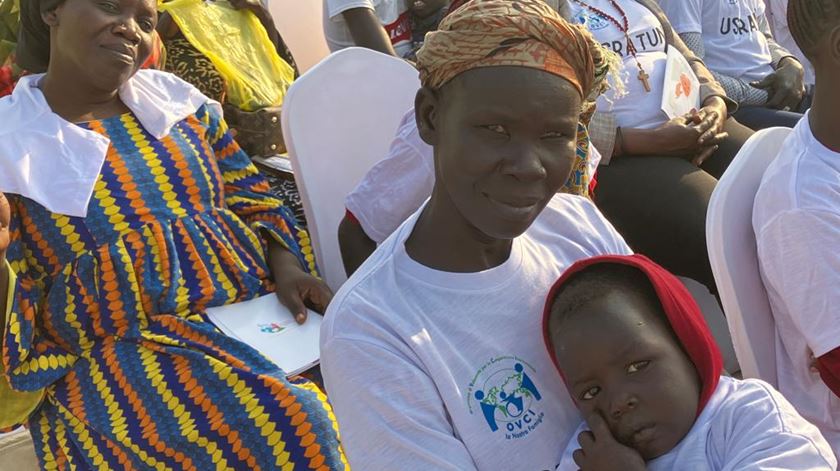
621,360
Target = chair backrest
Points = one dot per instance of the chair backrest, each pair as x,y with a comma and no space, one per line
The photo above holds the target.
339,120
301,24
734,257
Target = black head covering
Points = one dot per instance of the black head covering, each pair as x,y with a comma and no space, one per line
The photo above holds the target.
33,46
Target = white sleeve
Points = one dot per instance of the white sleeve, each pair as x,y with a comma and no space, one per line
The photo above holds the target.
389,412
765,432
800,263
686,16
337,7
395,187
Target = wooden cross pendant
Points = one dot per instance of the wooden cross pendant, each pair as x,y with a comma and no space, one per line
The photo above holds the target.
643,77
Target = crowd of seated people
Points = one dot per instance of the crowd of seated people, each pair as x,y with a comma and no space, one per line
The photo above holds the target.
512,300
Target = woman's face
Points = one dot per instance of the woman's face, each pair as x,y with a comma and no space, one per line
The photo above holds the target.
620,360
504,140
105,41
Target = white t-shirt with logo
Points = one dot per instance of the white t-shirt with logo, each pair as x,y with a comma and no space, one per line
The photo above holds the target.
393,14
796,219
734,44
746,426
637,108
448,371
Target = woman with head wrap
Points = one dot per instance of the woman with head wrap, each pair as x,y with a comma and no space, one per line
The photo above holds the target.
642,366
137,212
431,351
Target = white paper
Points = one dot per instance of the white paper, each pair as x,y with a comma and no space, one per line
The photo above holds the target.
267,326
681,92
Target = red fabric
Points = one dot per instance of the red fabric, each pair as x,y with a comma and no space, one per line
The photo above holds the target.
351,217
829,366
7,83
682,311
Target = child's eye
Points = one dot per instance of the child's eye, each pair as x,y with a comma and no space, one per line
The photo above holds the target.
590,393
637,366
496,128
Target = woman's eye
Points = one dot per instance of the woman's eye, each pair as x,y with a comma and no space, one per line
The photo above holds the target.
496,128
108,6
147,25
590,393
553,135
637,366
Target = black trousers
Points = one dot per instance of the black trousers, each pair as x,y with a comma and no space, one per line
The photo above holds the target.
659,203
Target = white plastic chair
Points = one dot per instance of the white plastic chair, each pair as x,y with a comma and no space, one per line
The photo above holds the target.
338,120
301,24
734,257
17,452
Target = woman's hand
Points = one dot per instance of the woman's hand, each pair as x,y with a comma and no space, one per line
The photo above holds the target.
5,218
294,287
599,451
711,117
786,85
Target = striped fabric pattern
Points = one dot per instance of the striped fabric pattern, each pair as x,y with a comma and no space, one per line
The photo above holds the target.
108,314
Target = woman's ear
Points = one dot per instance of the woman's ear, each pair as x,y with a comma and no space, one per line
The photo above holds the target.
426,107
50,17
834,45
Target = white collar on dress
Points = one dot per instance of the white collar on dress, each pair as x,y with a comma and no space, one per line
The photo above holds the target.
56,163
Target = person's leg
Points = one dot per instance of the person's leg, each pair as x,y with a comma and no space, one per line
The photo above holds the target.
659,205
720,160
758,118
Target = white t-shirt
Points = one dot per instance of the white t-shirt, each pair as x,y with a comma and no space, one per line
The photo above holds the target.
637,108
734,44
796,219
394,15
448,371
746,426
397,185
777,17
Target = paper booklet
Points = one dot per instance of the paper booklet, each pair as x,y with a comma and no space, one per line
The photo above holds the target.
681,92
267,326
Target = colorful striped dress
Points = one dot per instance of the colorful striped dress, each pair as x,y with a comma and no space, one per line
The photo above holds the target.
107,314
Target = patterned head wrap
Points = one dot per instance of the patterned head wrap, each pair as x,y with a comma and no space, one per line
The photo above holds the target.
524,33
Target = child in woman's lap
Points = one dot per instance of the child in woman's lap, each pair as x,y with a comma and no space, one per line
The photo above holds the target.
639,361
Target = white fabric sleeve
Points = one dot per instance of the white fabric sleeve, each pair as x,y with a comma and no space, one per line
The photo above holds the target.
389,412
766,432
396,186
337,7
686,16
800,261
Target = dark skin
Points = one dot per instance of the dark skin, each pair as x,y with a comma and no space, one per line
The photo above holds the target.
786,86
355,245
367,30
825,110
504,141
637,388
95,47
695,136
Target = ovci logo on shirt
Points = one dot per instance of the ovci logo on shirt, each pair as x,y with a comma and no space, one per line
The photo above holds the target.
503,393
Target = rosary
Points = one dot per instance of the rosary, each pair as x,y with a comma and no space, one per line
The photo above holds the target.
624,27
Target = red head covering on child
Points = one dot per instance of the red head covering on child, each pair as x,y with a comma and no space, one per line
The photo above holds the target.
683,314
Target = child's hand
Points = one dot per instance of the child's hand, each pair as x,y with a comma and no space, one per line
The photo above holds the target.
599,451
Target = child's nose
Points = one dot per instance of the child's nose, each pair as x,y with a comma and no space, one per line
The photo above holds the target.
622,403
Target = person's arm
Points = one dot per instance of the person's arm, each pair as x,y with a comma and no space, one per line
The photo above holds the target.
285,243
367,30
739,90
829,367
787,84
354,244
388,409
800,264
